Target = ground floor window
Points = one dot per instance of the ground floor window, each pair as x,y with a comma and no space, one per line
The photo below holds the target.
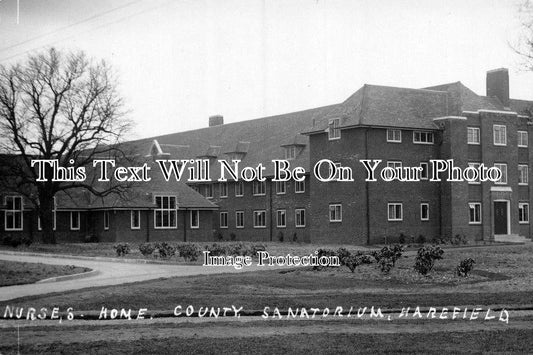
165,213
195,219
424,211
135,219
239,219
106,220
335,213
281,218
475,212
13,215
223,219
395,211
74,220
259,219
523,212
300,217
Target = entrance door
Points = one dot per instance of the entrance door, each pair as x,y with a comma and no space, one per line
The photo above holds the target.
500,217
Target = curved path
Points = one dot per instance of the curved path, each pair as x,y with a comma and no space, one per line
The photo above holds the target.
109,272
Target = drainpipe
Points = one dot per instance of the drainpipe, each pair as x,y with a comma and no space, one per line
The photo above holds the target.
185,224
270,208
147,226
367,195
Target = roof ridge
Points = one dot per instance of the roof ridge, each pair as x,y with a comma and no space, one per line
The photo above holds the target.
403,88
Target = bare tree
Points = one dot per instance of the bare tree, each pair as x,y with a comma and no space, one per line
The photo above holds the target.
62,106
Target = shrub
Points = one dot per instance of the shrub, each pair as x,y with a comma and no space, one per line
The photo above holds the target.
165,250
421,239
426,257
280,236
91,238
218,236
233,236
402,239
188,251
465,267
352,261
258,247
122,249
343,254
324,252
295,238
146,249
386,257
216,249
458,239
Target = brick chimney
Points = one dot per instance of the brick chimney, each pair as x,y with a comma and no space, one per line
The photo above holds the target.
216,120
498,85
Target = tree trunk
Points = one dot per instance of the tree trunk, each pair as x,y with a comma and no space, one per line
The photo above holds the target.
46,214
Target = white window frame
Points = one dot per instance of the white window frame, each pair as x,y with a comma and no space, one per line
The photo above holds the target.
281,222
523,174
422,205
75,228
335,212
475,165
169,211
394,205
223,219
472,206
334,131
298,184
209,191
290,152
476,133
523,206
237,219
298,213
134,213
424,177
427,134
496,128
239,189
106,220
522,137
504,173
191,214
394,138
281,187
223,190
257,218
259,188
14,212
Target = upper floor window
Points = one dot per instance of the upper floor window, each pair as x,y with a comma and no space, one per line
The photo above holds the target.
394,136
475,166
424,172
394,164
299,187
223,189
239,219
420,137
473,135
209,191
299,219
281,187
259,188
503,169
335,213
500,134
334,132
165,212
195,219
239,188
424,211
290,152
522,139
13,214
523,174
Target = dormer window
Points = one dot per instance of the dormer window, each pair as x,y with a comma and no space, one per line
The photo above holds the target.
334,132
290,152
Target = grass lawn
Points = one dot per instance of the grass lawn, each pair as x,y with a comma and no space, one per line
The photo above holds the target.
17,273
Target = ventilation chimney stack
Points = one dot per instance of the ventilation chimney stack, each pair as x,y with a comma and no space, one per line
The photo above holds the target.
498,85
216,120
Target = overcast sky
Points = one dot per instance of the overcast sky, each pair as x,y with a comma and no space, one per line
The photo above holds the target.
182,61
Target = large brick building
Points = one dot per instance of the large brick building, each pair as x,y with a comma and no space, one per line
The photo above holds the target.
400,126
